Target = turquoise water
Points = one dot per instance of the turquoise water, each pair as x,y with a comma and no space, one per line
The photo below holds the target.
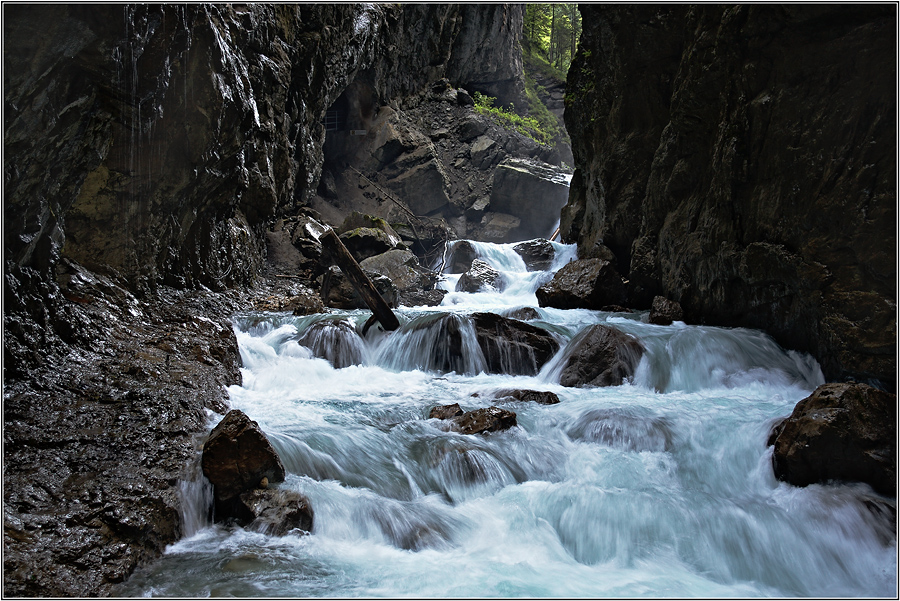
660,487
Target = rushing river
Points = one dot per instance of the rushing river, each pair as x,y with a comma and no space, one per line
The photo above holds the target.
660,487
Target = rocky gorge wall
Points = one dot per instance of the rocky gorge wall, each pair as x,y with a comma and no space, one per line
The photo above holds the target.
741,160
146,148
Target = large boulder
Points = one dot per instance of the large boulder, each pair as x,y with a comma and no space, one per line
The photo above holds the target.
533,191
583,284
403,269
357,220
538,254
365,242
338,292
480,277
843,431
334,340
512,347
237,456
497,227
600,356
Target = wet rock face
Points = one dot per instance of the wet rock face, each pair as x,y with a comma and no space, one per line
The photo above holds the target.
583,284
480,277
665,311
237,456
753,183
510,346
601,356
98,436
538,254
531,191
840,432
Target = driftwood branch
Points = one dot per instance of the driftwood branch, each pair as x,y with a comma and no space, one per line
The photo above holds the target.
361,282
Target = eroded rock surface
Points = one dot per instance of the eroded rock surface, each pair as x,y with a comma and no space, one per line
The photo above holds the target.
600,356
753,183
843,432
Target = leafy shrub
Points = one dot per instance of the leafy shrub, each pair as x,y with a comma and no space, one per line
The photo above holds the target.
508,118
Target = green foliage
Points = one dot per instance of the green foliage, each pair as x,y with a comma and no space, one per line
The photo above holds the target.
551,31
508,118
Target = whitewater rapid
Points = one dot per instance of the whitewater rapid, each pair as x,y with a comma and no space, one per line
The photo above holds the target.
660,487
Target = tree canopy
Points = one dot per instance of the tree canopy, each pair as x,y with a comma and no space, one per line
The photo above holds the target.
552,31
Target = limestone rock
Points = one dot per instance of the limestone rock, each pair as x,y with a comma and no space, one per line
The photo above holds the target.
665,311
583,284
365,242
497,227
842,431
600,356
237,455
480,277
337,291
510,346
532,191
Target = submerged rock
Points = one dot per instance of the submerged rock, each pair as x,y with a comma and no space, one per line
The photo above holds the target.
480,277
623,429
481,421
583,284
542,397
237,456
511,346
842,432
274,512
445,411
334,340
523,314
601,356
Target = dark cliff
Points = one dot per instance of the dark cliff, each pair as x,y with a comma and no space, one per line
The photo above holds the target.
146,147
741,160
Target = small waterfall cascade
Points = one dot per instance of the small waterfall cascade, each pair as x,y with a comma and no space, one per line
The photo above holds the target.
659,487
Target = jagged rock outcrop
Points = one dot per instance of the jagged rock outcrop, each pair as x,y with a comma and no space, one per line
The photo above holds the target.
753,182
843,432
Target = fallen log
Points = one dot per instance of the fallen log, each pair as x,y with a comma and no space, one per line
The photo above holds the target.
361,282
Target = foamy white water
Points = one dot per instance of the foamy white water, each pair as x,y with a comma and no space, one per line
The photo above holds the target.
661,487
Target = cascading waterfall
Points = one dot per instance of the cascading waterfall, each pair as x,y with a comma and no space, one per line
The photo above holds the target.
660,487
